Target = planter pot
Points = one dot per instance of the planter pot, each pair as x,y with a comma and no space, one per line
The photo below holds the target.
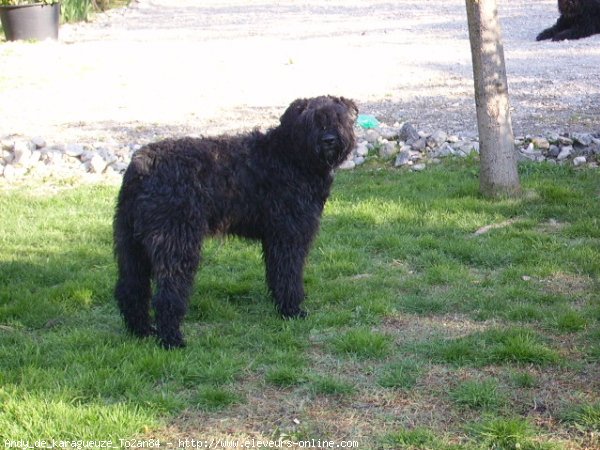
36,21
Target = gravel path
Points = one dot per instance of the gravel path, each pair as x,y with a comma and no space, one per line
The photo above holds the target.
170,67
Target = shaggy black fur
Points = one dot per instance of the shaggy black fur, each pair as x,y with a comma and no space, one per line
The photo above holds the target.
270,186
578,19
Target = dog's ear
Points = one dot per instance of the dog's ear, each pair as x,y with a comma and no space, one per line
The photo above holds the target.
293,111
350,105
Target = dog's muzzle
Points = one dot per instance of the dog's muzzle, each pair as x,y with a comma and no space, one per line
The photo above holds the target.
330,146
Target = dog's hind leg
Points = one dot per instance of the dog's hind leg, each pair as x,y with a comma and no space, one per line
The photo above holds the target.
175,261
133,291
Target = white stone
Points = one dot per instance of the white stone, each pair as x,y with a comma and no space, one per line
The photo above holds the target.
579,161
38,141
97,164
361,149
74,150
359,160
22,152
347,165
418,167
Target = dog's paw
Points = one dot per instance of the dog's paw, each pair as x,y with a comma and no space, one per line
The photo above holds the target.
172,342
298,313
546,34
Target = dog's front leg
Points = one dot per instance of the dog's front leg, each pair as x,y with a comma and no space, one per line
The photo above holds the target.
284,261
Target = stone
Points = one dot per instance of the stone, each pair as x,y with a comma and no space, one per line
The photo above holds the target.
408,133
388,148
565,152
347,165
553,151
358,160
74,150
541,143
7,144
584,139
563,140
445,150
371,136
38,141
437,138
6,156
361,149
579,161
97,164
402,159
22,152
419,144
418,167
118,166
388,133
85,156
106,155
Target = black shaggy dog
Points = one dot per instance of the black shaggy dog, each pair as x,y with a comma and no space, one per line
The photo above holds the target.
578,19
270,186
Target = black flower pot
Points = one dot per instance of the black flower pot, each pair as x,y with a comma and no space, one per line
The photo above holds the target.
35,21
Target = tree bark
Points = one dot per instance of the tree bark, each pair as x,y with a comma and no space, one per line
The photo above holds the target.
498,173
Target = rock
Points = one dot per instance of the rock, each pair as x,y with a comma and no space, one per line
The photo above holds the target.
584,139
419,144
389,133
579,161
563,140
347,165
541,143
85,156
402,159
22,152
565,152
418,167
97,164
7,144
6,157
106,155
437,138
408,133
74,150
445,150
38,141
358,160
361,149
553,151
52,156
388,148
371,136
118,166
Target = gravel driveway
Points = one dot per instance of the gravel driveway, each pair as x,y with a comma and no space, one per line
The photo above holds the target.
170,67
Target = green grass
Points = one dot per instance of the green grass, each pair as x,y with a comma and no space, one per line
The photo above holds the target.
362,343
416,325
477,394
400,375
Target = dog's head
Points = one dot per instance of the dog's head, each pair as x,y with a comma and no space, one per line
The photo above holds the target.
322,129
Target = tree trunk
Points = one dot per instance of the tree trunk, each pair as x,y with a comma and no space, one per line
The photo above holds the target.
498,173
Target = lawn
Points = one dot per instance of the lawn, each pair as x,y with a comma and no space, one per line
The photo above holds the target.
438,320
